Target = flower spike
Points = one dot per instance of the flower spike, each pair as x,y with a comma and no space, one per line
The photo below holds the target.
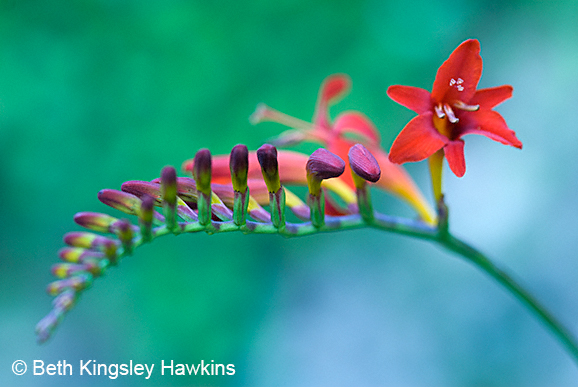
219,191
321,165
364,167
202,175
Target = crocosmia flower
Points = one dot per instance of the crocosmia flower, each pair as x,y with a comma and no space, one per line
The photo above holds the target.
453,109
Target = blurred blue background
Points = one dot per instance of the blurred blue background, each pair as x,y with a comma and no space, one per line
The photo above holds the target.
94,93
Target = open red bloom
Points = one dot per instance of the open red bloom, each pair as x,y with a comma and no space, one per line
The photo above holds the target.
453,109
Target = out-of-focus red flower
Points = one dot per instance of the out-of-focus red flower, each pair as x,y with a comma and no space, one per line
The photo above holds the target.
339,135
453,109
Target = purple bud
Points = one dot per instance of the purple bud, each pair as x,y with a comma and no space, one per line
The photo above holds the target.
122,201
169,185
202,171
267,156
143,188
239,165
95,221
78,254
146,208
78,282
65,300
124,230
89,240
363,163
324,165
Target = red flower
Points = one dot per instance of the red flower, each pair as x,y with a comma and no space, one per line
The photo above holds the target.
453,109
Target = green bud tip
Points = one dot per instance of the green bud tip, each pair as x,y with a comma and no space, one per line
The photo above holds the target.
202,171
267,156
363,164
239,165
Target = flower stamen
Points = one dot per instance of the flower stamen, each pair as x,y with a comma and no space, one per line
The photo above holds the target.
451,116
464,106
439,111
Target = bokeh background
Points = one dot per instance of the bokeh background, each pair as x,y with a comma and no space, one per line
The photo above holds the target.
94,93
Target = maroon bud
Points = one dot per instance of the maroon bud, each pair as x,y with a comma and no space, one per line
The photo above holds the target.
239,165
169,185
122,201
323,164
267,156
202,171
363,163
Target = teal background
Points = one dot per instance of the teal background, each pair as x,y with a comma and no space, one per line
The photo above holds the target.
94,93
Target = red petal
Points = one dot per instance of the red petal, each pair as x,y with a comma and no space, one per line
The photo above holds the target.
490,124
488,98
356,123
454,152
332,90
458,77
418,140
414,98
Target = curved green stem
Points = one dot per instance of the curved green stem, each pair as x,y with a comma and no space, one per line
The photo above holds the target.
403,226
481,261
414,229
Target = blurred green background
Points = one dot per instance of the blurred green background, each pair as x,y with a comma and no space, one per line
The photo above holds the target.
94,93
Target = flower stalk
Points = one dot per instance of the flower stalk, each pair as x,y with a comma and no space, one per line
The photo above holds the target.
215,201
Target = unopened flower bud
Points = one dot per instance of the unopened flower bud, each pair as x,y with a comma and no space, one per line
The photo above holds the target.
78,254
169,185
239,165
322,165
122,201
95,221
78,282
89,240
142,189
267,156
363,164
202,171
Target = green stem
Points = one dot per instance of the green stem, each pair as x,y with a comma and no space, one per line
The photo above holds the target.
418,230
469,253
409,227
